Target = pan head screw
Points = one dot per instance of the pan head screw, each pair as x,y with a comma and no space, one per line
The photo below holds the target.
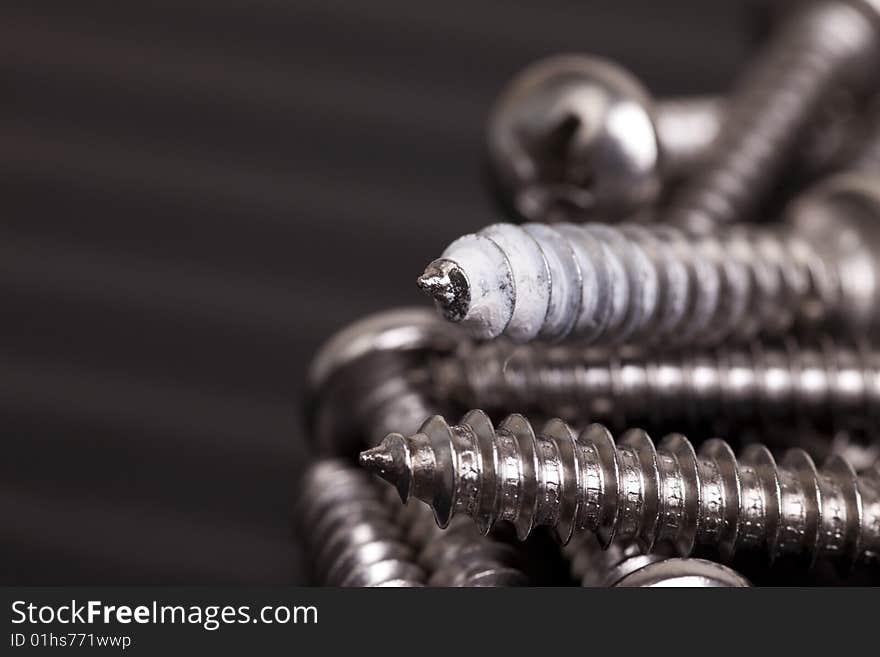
574,136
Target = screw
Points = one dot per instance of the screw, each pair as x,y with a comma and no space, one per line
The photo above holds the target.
684,573
366,380
459,556
822,45
351,530
632,492
578,136
822,385
595,566
656,283
627,566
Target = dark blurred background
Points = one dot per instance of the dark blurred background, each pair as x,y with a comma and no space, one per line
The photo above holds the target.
195,196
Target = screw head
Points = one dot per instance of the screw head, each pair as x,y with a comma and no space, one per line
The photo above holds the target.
684,573
364,372
573,137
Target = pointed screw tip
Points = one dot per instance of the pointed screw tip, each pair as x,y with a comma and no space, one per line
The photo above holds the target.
384,462
437,283
447,283
377,460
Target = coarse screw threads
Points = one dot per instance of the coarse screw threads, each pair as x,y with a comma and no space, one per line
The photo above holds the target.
634,492
658,284
823,384
619,566
823,44
574,137
459,556
351,532
368,380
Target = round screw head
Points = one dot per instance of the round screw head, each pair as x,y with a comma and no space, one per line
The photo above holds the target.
684,573
573,136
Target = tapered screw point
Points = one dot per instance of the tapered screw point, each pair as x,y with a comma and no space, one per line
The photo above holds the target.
389,464
634,491
447,283
378,460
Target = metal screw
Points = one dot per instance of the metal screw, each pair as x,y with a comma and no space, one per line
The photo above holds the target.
368,379
684,573
459,556
595,566
577,136
627,566
822,45
822,385
632,492
351,530
651,284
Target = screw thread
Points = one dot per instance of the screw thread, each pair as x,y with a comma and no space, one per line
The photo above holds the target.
774,104
459,556
351,532
633,492
632,283
824,385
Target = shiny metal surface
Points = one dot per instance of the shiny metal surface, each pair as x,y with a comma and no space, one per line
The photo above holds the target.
686,129
459,556
574,135
634,492
821,46
787,386
593,565
577,137
368,379
684,573
350,530
658,284
627,566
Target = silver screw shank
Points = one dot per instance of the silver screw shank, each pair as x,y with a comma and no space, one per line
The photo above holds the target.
351,532
823,385
367,380
459,556
633,491
658,284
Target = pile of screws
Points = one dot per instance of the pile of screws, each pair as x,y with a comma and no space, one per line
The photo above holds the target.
706,265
